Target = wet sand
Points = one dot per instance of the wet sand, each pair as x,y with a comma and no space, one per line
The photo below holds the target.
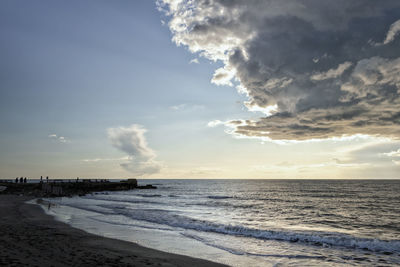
29,237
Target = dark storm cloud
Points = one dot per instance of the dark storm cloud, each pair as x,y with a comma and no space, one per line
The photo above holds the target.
332,68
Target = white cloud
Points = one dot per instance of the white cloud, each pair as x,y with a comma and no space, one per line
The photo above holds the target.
57,138
223,76
132,141
188,107
214,123
392,153
268,110
106,159
393,31
194,61
178,107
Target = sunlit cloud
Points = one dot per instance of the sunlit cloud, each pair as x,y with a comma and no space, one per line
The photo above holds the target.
231,127
268,110
105,159
323,165
324,80
132,141
214,123
223,76
392,153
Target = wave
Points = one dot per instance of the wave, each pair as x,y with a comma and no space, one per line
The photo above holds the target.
267,199
327,239
125,200
119,204
215,203
240,252
153,195
312,238
131,224
219,197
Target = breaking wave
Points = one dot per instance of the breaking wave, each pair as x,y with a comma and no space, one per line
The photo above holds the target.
317,238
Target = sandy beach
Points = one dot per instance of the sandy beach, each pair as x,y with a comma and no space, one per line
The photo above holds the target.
29,237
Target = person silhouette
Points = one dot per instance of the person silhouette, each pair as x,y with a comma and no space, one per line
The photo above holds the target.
16,180
25,180
21,180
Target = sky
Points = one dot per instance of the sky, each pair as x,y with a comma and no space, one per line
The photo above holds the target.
271,89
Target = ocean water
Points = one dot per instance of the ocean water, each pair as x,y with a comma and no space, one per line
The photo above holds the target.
251,222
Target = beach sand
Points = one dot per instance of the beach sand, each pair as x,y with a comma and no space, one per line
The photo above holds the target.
29,237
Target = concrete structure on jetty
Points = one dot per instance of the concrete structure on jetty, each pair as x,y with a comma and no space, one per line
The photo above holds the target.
61,187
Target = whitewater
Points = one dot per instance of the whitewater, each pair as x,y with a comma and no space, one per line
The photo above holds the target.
251,222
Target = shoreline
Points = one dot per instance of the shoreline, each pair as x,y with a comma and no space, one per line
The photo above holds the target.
30,237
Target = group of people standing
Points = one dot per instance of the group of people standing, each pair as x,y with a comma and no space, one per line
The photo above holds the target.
41,179
21,180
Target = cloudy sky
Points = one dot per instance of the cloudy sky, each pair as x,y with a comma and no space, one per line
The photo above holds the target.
200,89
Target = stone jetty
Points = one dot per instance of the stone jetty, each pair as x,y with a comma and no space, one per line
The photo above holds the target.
62,187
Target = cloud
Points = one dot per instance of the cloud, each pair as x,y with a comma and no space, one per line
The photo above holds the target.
106,159
205,171
377,78
268,110
57,138
178,107
393,31
332,73
382,164
214,123
194,61
223,76
392,153
314,60
288,165
132,141
188,107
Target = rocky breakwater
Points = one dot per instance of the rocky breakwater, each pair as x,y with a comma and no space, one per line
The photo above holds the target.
59,188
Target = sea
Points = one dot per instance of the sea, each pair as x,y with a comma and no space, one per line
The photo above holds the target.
250,222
